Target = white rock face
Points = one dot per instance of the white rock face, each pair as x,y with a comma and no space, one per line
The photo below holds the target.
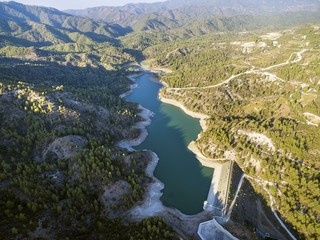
259,139
65,147
313,119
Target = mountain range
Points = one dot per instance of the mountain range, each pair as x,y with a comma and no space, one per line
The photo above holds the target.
174,13
23,25
61,77
34,25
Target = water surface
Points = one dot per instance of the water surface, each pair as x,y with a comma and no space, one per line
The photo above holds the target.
186,181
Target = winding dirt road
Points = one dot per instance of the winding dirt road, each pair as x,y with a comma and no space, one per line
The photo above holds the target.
261,71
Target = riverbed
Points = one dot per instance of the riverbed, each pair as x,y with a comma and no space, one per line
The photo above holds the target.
186,181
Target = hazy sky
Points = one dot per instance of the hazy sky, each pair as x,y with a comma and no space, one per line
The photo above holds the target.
79,4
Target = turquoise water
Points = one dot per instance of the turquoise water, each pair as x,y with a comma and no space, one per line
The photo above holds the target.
186,181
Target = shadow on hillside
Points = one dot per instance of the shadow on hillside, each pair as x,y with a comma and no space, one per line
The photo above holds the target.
92,84
41,71
252,211
137,54
13,41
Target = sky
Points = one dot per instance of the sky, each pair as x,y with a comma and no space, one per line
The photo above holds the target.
81,4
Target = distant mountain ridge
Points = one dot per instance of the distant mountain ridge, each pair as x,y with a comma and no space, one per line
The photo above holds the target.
179,12
43,25
25,25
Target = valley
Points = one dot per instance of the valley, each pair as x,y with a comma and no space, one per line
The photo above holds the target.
251,96
81,158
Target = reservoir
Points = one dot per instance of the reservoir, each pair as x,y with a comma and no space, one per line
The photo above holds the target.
186,181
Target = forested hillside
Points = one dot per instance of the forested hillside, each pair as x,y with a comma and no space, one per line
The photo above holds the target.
174,14
61,174
38,26
249,65
219,24
262,93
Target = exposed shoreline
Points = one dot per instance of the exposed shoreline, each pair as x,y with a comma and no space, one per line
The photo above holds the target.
155,69
201,116
185,225
132,86
220,178
151,204
146,115
222,167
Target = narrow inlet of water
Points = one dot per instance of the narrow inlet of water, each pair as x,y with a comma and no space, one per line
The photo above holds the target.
186,181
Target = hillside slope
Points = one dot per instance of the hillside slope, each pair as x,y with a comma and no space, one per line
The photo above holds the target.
177,12
45,26
262,93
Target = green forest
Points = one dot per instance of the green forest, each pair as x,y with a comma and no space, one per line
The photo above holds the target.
256,88
61,116
62,175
